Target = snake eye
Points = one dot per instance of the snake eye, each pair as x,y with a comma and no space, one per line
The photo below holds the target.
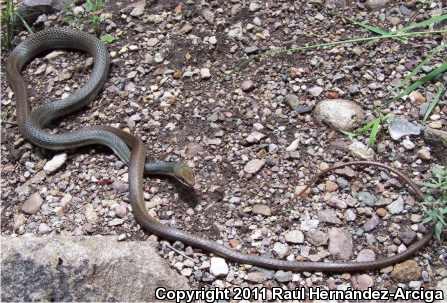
185,174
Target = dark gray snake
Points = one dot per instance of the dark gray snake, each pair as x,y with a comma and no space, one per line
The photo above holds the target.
131,150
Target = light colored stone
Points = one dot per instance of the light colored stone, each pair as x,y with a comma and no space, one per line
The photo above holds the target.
424,153
281,249
218,267
317,237
138,8
294,236
340,243
362,282
205,73
83,269
208,15
396,207
90,214
366,255
32,204
361,151
261,209
254,166
376,4
339,114
408,144
256,277
255,137
406,271
55,163
315,91
247,85
400,127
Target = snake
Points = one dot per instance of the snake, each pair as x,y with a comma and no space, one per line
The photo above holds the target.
131,150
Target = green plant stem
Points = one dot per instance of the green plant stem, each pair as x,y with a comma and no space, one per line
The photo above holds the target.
331,44
357,40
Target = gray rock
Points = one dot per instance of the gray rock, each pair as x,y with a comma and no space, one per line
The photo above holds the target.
205,73
55,163
44,229
138,8
218,267
247,85
280,249
283,276
435,136
317,237
309,224
256,277
339,113
315,91
254,166
251,50
236,31
328,216
407,236
361,151
208,15
261,209
255,137
376,4
408,144
254,6
371,223
293,101
367,198
442,285
294,236
396,207
32,204
30,10
83,269
340,243
350,215
366,255
400,127
336,202
294,145
90,214
78,10
362,282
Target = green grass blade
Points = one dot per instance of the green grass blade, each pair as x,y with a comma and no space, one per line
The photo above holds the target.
430,55
425,23
434,102
28,28
429,77
376,30
374,131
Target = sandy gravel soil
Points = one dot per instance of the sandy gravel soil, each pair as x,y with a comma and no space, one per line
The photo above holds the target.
177,83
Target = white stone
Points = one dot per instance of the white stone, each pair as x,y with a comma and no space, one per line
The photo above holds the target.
294,236
55,163
205,73
218,267
339,113
254,166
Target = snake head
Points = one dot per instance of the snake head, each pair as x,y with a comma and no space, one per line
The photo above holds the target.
184,174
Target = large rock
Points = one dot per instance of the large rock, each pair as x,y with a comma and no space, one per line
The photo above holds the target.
435,136
340,114
30,10
83,269
340,243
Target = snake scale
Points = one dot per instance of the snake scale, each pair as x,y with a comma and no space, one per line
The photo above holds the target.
132,151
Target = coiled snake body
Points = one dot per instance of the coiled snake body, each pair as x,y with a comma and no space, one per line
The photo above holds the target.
131,150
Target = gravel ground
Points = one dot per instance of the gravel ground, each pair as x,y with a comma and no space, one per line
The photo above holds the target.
174,83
